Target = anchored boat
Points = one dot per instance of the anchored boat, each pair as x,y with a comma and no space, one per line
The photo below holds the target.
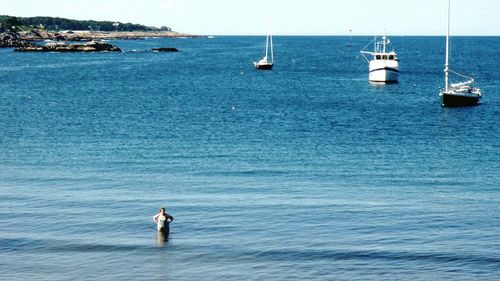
459,94
264,63
384,65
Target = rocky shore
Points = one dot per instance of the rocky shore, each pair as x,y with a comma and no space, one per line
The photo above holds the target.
25,40
13,40
61,47
40,35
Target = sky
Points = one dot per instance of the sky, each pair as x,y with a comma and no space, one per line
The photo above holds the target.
281,17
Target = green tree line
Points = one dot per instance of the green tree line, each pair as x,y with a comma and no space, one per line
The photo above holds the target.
57,24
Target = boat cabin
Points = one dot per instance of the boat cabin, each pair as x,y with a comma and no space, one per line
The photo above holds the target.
385,56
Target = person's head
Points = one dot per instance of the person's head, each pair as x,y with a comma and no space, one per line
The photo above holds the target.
162,210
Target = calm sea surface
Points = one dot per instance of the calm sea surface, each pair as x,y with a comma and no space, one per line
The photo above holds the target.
306,172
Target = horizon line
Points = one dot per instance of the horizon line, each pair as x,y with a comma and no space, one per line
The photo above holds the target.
333,35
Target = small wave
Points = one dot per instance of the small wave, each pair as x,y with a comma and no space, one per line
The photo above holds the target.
247,173
211,156
96,248
24,244
373,255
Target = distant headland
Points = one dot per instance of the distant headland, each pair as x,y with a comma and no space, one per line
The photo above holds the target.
22,32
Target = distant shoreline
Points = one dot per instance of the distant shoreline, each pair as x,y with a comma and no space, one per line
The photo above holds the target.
101,35
23,31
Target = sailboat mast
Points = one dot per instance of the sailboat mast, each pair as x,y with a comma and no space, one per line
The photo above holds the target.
272,50
267,44
446,66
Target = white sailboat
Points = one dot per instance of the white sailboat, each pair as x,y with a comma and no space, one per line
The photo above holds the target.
264,63
384,65
459,94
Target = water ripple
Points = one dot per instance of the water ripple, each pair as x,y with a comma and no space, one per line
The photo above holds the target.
22,244
376,255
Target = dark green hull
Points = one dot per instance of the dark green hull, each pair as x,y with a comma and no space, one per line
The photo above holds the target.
451,100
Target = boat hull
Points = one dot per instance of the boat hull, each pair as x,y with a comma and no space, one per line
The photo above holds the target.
457,100
384,76
384,71
268,66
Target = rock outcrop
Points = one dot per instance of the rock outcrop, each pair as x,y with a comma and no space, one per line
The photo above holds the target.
165,49
61,47
12,40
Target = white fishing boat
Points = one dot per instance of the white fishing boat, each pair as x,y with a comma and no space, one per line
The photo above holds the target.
458,94
384,65
265,63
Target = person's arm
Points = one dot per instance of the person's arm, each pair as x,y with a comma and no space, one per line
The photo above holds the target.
155,217
170,217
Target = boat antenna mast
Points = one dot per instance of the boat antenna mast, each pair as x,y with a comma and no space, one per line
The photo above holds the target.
384,43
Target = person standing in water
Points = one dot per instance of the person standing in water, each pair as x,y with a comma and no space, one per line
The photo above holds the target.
162,221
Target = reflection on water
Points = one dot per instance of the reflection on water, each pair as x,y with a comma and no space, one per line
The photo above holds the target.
161,238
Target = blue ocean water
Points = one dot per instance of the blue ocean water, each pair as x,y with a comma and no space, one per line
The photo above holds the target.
305,172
